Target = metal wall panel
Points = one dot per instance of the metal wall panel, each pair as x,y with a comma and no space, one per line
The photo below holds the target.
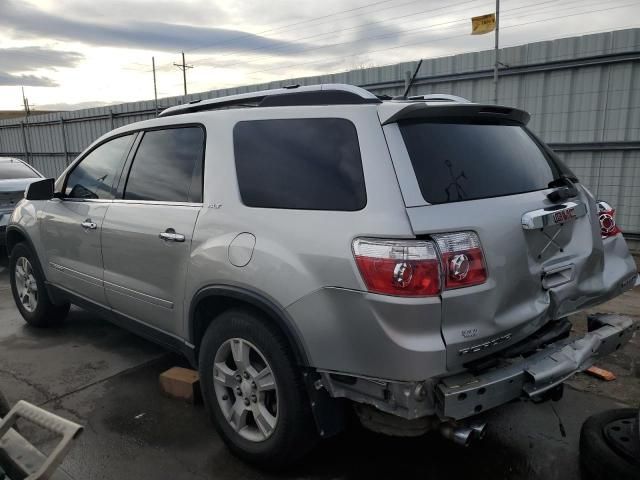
583,94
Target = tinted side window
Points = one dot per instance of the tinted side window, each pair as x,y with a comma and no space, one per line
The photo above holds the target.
96,175
168,166
311,163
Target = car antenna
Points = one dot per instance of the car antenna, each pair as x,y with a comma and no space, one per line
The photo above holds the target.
413,79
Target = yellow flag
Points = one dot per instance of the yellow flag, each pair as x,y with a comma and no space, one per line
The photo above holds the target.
483,24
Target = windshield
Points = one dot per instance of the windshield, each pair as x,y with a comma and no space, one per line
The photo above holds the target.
460,161
12,170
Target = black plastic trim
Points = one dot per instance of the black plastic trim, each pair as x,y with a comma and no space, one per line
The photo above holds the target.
23,233
457,111
289,99
154,335
256,300
320,97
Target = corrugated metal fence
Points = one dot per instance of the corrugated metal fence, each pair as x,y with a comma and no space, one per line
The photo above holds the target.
583,94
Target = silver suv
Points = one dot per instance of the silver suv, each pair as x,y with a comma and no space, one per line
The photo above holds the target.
317,251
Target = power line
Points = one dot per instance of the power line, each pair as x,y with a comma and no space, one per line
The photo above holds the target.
406,32
441,39
347,29
296,24
285,47
275,29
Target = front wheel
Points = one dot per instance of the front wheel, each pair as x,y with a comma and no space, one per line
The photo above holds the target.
29,290
254,392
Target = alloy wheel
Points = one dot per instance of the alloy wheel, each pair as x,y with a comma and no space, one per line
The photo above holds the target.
26,284
246,389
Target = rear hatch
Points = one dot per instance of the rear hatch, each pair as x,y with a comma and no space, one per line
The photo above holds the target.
474,168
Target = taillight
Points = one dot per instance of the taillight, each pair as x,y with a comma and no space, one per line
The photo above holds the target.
398,267
607,217
415,267
462,259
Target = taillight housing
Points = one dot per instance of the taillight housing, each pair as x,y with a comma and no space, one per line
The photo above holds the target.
607,217
420,268
398,267
462,259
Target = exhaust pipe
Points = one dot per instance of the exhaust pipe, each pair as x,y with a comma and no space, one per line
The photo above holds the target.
463,435
479,429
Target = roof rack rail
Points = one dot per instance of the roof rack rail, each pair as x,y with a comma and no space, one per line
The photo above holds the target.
290,95
440,97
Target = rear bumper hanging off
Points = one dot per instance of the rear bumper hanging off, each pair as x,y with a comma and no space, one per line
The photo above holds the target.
464,395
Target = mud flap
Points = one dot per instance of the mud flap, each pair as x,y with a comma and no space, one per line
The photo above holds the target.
330,414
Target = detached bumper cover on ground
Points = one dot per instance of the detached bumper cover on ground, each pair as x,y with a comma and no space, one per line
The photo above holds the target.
464,395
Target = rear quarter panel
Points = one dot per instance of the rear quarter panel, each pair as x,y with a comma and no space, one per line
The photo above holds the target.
297,252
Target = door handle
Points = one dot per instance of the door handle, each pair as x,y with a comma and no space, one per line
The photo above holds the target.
170,235
89,225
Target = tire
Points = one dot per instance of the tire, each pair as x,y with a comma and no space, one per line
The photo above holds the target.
39,310
597,458
294,433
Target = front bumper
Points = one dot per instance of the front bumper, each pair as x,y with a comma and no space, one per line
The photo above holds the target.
464,395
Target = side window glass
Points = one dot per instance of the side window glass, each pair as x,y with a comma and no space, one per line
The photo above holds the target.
306,163
96,176
168,166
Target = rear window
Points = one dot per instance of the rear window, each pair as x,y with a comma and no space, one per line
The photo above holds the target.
11,170
310,163
458,161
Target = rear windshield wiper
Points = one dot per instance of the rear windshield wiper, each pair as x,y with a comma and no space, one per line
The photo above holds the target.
565,188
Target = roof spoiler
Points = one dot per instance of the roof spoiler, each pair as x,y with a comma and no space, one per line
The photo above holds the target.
460,110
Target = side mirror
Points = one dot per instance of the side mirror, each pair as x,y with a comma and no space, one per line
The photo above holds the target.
40,190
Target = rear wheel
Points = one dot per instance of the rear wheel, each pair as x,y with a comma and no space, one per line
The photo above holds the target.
29,291
254,392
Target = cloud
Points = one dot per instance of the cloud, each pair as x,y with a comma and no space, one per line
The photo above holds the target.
8,79
24,59
192,12
23,19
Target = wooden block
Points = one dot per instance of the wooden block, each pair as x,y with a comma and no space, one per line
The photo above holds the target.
601,373
182,383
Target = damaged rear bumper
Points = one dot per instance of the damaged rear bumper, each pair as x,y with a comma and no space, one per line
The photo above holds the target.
464,395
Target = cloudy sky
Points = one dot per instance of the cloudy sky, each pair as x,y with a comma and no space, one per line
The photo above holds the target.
78,53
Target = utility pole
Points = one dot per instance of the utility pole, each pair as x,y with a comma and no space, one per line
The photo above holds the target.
496,65
26,135
155,90
184,67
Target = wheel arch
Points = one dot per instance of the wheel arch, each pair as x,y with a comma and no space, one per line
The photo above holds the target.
16,235
211,301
